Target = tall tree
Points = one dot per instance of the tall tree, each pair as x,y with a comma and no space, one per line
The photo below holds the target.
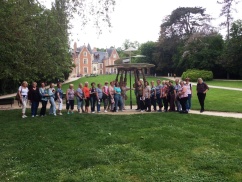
226,11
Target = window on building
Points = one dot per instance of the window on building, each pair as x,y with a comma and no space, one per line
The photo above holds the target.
85,70
85,53
94,69
114,56
85,61
100,66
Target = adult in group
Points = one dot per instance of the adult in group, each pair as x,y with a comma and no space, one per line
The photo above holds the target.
99,97
177,100
117,97
34,98
171,96
146,95
153,95
86,93
111,95
202,89
158,89
70,95
189,92
44,98
93,96
79,98
23,95
105,96
140,89
59,95
183,97
51,93
124,89
164,94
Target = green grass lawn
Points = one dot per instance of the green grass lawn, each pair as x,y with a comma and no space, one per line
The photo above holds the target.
147,147
220,100
225,83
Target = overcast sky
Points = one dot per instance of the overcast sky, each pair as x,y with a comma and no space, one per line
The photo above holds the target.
140,20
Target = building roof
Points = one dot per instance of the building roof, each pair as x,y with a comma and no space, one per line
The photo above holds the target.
89,48
109,51
99,57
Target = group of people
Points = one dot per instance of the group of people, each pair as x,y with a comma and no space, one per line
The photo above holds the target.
165,94
113,95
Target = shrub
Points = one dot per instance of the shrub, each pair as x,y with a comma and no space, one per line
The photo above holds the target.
195,74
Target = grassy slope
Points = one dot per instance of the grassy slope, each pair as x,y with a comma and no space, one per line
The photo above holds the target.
149,147
216,100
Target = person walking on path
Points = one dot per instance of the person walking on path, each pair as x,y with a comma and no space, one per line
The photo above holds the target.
23,95
34,98
202,89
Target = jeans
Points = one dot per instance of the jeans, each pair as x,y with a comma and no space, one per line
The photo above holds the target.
34,108
99,105
79,103
201,98
93,103
52,106
43,108
118,102
189,102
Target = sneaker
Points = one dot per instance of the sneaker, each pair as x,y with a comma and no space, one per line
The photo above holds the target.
54,114
23,116
36,115
68,113
93,112
99,111
141,110
60,114
32,116
105,111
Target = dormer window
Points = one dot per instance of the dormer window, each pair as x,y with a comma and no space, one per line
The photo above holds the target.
85,53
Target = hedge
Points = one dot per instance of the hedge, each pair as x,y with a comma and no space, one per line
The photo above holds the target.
195,74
